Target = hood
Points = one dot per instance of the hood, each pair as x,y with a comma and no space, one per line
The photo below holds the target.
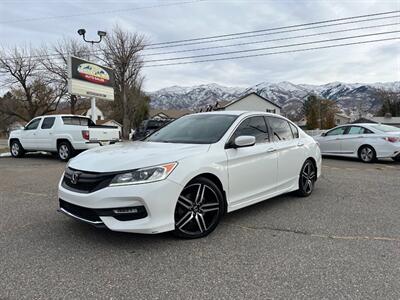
133,155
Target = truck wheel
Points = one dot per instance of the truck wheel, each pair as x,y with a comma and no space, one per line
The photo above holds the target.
65,151
16,149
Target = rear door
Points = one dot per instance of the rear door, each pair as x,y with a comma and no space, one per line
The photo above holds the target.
44,134
353,138
29,135
290,151
252,170
331,142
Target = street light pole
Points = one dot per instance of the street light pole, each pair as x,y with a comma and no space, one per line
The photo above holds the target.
101,34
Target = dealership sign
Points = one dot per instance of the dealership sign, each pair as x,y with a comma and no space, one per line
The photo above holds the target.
89,79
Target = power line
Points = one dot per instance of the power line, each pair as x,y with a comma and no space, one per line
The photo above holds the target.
276,28
271,40
271,33
55,55
99,12
271,53
273,47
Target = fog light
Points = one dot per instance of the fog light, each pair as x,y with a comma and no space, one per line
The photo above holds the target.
121,211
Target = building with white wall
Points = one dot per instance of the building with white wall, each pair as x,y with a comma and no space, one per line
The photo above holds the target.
253,102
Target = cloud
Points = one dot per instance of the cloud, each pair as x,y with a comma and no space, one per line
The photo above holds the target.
362,63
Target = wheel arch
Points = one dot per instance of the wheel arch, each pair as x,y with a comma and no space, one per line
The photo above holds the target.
365,145
215,179
60,140
12,140
314,162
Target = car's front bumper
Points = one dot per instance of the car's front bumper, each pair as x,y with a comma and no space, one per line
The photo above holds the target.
158,198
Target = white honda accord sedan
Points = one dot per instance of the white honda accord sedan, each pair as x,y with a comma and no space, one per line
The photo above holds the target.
185,176
366,141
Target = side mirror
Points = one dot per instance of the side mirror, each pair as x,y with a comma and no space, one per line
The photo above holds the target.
323,134
244,141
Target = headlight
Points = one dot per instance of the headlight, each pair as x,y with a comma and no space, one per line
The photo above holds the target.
144,175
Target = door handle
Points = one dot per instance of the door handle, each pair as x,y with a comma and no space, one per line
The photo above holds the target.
300,144
270,150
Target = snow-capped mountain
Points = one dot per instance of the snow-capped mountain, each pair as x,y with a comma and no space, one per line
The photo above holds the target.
349,96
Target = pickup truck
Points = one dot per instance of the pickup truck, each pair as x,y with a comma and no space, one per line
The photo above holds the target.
61,134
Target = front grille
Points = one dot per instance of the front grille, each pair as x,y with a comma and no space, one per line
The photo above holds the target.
86,182
79,211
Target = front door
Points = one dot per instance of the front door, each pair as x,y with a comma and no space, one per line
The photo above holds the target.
29,135
44,134
331,142
353,139
251,170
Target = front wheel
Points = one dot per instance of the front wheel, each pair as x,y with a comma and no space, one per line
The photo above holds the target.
199,209
16,149
307,178
64,151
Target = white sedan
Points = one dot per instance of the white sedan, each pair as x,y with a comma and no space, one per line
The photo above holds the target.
185,176
366,141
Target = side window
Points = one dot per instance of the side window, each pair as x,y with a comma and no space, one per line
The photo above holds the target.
280,129
33,124
254,126
48,122
336,131
295,131
355,130
366,131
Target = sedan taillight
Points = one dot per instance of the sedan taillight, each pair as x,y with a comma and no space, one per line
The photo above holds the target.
85,134
392,139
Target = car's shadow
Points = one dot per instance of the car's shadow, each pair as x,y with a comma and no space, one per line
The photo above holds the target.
386,161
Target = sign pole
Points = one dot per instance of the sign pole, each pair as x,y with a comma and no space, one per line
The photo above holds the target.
93,109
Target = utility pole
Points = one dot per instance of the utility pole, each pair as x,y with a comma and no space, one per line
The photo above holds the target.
101,34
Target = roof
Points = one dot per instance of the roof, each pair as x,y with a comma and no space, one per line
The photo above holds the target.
342,115
252,93
67,111
171,113
383,120
239,113
101,122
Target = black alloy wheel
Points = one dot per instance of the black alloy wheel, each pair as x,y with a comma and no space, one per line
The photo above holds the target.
199,209
308,176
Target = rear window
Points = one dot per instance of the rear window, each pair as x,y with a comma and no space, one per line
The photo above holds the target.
78,121
385,128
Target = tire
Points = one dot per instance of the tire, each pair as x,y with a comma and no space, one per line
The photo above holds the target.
307,178
16,149
199,209
397,158
367,154
64,151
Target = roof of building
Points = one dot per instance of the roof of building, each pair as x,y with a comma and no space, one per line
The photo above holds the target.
384,120
101,122
343,115
170,113
245,96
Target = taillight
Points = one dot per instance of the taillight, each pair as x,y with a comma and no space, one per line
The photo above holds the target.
85,134
392,139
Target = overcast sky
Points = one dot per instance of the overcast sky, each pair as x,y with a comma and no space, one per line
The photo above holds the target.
378,62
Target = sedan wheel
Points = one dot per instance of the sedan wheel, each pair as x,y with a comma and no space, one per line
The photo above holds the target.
367,154
308,176
198,209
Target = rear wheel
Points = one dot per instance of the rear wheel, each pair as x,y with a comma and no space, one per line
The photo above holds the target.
367,154
397,158
307,178
65,151
199,209
16,149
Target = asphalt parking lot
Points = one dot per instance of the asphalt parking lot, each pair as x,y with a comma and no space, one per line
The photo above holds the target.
342,242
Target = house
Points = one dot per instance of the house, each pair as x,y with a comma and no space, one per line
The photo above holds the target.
341,119
98,113
109,123
168,114
252,102
387,120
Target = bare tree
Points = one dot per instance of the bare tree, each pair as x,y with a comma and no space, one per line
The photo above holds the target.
31,95
55,61
390,101
121,52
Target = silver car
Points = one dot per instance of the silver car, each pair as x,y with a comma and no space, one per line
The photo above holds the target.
366,141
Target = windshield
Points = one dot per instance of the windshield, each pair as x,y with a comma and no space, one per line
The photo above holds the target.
385,128
194,129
